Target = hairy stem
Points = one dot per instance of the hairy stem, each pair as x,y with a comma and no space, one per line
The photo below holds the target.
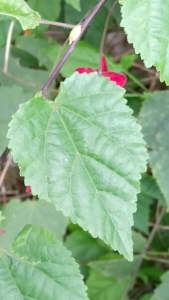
56,23
85,23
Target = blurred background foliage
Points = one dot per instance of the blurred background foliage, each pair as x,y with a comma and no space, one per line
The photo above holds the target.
32,56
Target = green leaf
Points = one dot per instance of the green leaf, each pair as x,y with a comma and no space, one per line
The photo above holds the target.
152,38
40,268
49,10
134,103
30,80
83,55
37,212
85,248
10,98
154,118
21,11
150,188
150,274
4,28
24,59
115,265
74,3
146,297
161,292
35,47
1,217
139,242
101,287
141,216
149,192
127,60
84,152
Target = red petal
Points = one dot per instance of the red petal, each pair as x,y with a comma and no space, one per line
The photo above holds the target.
120,79
104,64
28,190
84,70
2,231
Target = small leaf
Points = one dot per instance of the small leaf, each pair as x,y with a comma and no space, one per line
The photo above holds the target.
35,47
146,24
115,265
149,192
139,242
161,292
85,248
21,11
10,99
40,268
150,188
141,216
84,152
108,288
37,212
154,117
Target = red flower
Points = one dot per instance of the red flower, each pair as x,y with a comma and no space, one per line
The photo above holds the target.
28,190
2,231
120,79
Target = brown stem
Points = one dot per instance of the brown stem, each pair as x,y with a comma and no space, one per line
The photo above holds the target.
85,23
104,36
3,157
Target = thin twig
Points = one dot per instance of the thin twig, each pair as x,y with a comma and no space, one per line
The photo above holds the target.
157,253
157,259
154,82
3,193
10,193
151,236
19,79
5,171
56,24
8,43
84,24
31,84
3,157
160,226
104,36
143,68
119,56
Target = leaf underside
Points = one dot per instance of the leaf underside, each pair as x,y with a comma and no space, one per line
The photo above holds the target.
154,117
84,152
146,24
